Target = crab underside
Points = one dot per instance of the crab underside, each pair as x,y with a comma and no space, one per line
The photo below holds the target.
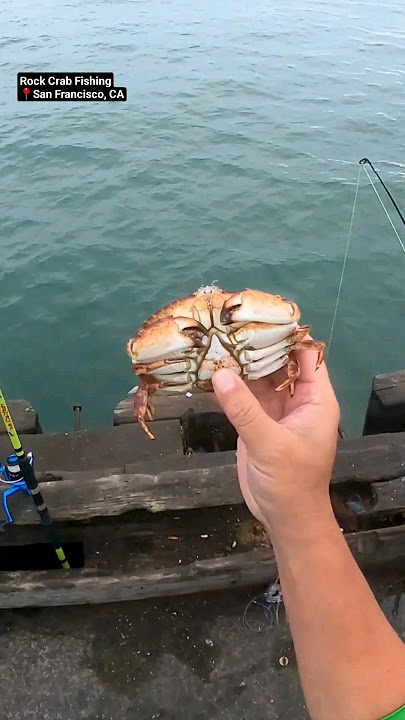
250,332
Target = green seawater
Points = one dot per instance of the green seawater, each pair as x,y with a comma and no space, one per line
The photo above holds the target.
235,159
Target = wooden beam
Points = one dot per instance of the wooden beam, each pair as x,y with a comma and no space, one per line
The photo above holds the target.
370,459
389,497
87,450
167,407
138,524
25,419
75,587
364,459
71,500
81,496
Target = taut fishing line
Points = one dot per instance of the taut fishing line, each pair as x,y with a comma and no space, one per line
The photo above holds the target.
385,209
363,162
349,237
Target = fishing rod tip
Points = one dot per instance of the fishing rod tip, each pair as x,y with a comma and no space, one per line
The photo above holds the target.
363,161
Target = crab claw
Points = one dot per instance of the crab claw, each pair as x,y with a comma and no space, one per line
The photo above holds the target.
255,306
166,338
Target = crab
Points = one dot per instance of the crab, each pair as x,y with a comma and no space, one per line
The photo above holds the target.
250,332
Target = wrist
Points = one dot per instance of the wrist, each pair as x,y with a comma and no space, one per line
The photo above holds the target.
305,519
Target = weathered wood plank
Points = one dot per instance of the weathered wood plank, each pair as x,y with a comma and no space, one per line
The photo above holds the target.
75,587
370,459
154,464
386,405
385,381
167,407
363,459
389,496
373,548
195,461
180,523
25,419
83,496
117,494
97,449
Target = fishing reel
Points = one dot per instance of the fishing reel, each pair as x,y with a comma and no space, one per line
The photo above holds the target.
10,474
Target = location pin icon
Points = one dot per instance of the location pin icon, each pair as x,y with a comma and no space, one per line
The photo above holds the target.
26,91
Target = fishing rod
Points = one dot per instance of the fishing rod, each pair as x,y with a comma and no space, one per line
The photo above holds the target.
27,472
366,161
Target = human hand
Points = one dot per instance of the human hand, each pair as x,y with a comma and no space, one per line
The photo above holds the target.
286,445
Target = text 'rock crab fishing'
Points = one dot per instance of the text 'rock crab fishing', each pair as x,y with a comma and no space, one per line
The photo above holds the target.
250,332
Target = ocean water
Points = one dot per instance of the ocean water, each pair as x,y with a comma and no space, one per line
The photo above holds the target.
235,159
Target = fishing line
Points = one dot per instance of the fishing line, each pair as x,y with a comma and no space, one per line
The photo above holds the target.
363,163
269,601
349,237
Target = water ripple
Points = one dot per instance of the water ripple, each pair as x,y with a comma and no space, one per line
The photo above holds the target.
235,158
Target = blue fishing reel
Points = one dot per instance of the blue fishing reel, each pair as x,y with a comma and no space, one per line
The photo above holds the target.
10,473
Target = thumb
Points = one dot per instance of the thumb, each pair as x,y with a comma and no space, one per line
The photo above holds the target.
244,411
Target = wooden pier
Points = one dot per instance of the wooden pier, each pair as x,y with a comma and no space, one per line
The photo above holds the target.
141,518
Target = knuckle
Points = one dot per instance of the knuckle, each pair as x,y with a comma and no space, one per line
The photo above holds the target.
243,415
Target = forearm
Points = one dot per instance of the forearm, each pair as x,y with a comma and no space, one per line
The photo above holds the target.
351,662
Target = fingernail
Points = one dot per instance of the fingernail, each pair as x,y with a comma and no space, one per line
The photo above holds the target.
223,380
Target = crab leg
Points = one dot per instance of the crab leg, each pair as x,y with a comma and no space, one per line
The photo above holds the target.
166,373
160,365
178,378
254,356
312,345
142,407
293,368
172,388
300,333
257,335
266,362
293,373
163,369
271,366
